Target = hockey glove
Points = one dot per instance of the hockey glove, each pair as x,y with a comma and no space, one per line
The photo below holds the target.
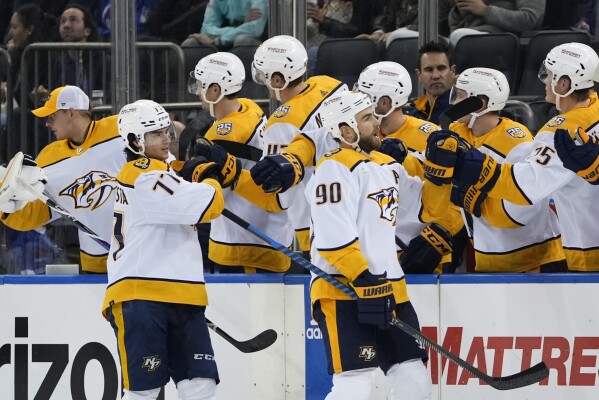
280,171
230,165
441,156
469,198
582,158
375,299
395,148
425,251
476,169
197,169
22,170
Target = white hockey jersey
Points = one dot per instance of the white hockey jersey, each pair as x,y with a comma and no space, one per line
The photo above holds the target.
154,253
542,175
229,243
82,180
527,236
299,114
354,201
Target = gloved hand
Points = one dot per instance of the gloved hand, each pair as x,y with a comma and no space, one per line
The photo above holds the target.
469,198
21,182
375,299
477,169
425,251
582,158
394,148
280,171
441,156
197,169
229,164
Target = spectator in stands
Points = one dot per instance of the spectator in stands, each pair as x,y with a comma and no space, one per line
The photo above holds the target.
436,72
230,23
472,17
174,20
28,24
143,8
399,19
87,69
337,19
575,14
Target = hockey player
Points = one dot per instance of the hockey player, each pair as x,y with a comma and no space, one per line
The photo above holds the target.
568,73
239,126
517,238
388,85
280,63
355,196
81,168
155,303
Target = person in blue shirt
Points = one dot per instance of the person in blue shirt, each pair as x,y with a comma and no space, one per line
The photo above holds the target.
230,23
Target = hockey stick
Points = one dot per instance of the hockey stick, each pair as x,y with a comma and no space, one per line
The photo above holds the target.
523,378
459,110
260,342
257,343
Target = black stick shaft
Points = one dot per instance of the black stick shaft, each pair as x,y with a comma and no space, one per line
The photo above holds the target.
523,378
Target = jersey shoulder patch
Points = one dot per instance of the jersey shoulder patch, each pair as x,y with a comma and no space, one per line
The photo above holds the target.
133,169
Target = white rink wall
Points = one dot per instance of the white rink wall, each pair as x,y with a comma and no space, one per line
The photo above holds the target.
55,344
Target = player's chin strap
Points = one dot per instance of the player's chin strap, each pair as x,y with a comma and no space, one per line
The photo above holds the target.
524,378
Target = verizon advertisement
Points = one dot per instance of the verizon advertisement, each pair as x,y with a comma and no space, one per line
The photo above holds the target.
54,344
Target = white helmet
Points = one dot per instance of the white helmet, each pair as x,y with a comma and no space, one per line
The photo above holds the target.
386,78
139,118
283,54
577,61
224,69
484,82
342,108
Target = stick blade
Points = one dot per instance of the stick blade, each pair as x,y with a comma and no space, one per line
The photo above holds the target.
459,110
527,377
258,343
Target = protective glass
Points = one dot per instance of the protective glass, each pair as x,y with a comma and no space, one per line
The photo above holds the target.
456,95
258,76
192,84
155,137
543,73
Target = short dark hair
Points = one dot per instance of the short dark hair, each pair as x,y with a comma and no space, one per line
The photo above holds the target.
88,21
292,83
434,47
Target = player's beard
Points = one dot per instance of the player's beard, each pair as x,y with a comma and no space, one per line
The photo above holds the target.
369,144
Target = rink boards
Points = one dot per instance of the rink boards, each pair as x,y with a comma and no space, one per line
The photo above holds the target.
55,344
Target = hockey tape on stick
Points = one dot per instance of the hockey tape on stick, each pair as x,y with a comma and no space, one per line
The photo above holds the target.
524,378
459,110
257,343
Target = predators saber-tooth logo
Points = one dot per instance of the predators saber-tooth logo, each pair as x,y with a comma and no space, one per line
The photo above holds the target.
91,190
387,200
151,363
367,353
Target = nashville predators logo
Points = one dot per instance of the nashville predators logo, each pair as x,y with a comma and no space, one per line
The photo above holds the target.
92,190
555,122
367,353
387,200
224,129
281,111
151,363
